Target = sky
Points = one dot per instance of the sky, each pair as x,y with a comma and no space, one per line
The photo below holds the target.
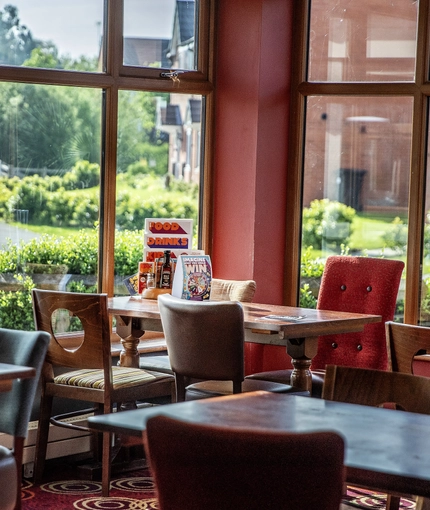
75,26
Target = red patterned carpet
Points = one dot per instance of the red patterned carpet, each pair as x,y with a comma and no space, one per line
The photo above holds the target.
135,491
361,498
131,491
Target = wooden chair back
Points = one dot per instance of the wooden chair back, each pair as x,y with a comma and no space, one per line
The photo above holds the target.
52,307
377,388
404,342
199,466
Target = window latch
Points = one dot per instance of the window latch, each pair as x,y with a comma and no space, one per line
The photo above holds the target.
173,75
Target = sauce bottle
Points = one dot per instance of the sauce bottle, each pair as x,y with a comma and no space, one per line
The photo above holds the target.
166,272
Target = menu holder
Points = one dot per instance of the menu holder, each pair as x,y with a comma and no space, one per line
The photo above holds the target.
193,277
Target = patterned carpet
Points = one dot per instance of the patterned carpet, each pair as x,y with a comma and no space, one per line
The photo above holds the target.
132,491
135,491
361,498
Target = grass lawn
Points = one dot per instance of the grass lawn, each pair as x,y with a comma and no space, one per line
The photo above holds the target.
55,231
368,232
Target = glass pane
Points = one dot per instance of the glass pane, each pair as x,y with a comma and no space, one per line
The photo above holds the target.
159,148
58,35
370,40
49,193
424,319
356,181
160,33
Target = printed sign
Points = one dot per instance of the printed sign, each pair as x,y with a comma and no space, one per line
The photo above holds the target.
193,277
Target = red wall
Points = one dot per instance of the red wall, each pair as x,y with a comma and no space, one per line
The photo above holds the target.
251,132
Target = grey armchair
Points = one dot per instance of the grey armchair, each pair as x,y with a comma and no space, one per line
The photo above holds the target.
26,348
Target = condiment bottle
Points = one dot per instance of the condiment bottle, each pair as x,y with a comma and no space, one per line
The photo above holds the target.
166,272
150,281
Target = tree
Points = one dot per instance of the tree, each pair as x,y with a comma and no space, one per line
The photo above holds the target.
16,40
54,127
45,58
136,131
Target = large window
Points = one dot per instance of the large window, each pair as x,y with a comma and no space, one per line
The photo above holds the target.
361,149
102,124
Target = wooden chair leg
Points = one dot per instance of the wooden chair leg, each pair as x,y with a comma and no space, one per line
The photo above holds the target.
393,502
106,463
18,450
42,439
422,503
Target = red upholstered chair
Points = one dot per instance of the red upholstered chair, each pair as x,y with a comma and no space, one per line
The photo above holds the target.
205,467
358,285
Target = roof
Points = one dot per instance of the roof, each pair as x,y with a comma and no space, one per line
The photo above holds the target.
195,110
171,116
185,12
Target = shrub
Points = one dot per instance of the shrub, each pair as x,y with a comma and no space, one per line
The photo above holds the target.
16,307
307,298
397,237
310,267
328,221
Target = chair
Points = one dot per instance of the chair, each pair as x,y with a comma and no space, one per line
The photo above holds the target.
378,388
357,285
200,466
92,377
405,342
221,290
205,342
8,477
26,348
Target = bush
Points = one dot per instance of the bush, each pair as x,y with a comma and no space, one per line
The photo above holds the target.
16,307
328,221
78,252
307,298
397,237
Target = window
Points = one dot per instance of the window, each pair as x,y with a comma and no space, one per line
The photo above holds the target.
102,124
359,153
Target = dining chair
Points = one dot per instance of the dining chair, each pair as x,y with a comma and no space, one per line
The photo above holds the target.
394,390
25,348
8,478
199,466
357,285
205,342
85,372
406,346
221,290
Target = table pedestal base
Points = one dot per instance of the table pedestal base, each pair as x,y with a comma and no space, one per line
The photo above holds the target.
302,350
301,376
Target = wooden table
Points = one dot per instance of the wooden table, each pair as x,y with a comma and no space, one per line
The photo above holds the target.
386,450
10,372
300,337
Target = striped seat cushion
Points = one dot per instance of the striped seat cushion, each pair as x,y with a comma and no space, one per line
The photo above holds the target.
122,377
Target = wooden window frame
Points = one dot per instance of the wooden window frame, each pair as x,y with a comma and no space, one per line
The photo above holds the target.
119,77
419,90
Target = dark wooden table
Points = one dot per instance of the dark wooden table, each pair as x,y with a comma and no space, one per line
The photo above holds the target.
386,450
10,372
300,337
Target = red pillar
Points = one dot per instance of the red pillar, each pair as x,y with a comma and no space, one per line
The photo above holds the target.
251,132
